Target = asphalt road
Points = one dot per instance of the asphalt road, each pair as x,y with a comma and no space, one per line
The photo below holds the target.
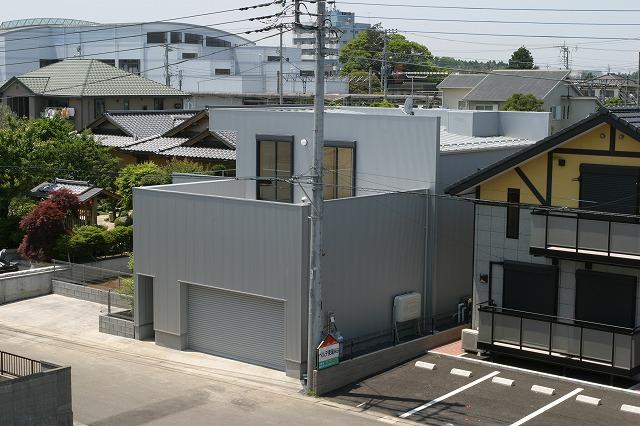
481,402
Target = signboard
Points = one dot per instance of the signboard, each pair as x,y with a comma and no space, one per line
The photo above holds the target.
328,353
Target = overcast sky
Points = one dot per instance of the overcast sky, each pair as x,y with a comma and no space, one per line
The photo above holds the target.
586,53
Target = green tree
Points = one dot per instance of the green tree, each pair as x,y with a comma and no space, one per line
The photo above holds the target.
359,82
521,60
523,102
133,175
34,151
613,102
364,52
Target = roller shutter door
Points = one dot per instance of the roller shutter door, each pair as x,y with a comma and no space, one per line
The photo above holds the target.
530,287
238,326
606,298
609,188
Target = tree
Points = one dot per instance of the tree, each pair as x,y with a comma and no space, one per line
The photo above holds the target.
34,151
613,102
359,82
133,175
521,60
523,102
364,52
45,223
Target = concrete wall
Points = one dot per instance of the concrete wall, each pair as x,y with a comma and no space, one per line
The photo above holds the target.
117,326
392,152
243,245
39,399
356,369
25,284
90,294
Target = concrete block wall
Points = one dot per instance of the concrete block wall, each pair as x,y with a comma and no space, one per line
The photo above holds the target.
39,399
116,326
25,284
87,293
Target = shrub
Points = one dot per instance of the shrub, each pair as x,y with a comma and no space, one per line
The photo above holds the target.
383,104
10,232
19,207
523,102
130,177
119,239
90,241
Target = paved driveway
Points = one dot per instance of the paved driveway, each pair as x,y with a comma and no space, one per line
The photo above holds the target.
438,397
118,381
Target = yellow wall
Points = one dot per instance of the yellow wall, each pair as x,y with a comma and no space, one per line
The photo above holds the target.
565,188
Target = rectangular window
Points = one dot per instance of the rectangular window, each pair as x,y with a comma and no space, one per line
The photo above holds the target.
307,73
338,173
158,104
130,65
223,71
111,62
273,58
156,37
275,160
46,62
484,107
217,42
176,38
98,107
189,55
190,38
125,104
513,213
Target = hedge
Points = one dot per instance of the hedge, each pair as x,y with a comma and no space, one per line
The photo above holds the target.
91,241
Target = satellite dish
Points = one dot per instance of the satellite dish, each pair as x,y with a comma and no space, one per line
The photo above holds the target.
408,106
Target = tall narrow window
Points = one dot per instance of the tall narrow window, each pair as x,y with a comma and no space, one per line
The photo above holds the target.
338,173
98,107
513,213
158,104
275,160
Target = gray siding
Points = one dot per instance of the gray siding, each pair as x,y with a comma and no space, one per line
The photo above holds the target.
374,250
247,246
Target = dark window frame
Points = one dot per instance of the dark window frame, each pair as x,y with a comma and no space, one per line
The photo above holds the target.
343,144
175,37
210,41
193,38
97,101
162,37
189,55
222,71
513,214
273,138
130,65
158,104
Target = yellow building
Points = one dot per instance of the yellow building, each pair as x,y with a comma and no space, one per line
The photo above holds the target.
557,247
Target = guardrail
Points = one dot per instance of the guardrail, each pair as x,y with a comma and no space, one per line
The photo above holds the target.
563,340
18,366
88,275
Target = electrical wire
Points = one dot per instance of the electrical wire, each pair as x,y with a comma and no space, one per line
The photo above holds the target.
497,9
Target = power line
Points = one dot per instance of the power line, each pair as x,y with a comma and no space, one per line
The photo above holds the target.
485,21
524,35
500,9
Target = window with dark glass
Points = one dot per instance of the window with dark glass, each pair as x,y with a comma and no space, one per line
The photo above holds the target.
176,38
223,71
125,104
98,107
513,213
157,37
158,103
190,38
275,160
217,42
307,73
130,65
189,55
46,62
338,173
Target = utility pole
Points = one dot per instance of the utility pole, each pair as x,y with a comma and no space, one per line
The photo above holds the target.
564,51
180,79
638,86
315,277
167,74
370,72
385,67
280,87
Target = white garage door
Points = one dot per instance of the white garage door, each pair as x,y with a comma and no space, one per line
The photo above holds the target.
238,326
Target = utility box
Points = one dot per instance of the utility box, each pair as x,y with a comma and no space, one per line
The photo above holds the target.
407,307
470,340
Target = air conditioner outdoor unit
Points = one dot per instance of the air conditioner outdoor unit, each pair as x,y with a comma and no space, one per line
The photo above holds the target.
407,307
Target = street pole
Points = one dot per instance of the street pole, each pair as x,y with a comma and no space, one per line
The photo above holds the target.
315,278
167,76
180,80
638,86
280,88
383,71
370,71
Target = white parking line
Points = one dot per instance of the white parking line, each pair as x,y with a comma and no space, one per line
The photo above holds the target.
450,394
548,407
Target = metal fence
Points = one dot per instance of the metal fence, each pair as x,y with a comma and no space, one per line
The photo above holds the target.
18,366
78,273
402,333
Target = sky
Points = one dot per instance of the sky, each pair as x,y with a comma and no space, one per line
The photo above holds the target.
587,34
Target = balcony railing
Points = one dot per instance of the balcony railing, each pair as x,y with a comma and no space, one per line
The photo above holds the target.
597,237
580,344
18,366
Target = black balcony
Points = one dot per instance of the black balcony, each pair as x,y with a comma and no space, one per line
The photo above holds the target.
569,342
600,238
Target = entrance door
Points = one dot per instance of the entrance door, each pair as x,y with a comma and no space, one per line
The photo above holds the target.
606,298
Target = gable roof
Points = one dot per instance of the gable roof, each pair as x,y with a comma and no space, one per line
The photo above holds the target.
500,85
76,77
461,81
624,119
452,142
143,124
195,118
82,189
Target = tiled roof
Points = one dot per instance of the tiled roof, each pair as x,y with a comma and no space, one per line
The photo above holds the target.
501,84
451,142
461,81
89,77
82,189
115,141
148,123
155,144
230,136
196,152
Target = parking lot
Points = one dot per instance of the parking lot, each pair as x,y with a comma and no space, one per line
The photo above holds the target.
487,397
